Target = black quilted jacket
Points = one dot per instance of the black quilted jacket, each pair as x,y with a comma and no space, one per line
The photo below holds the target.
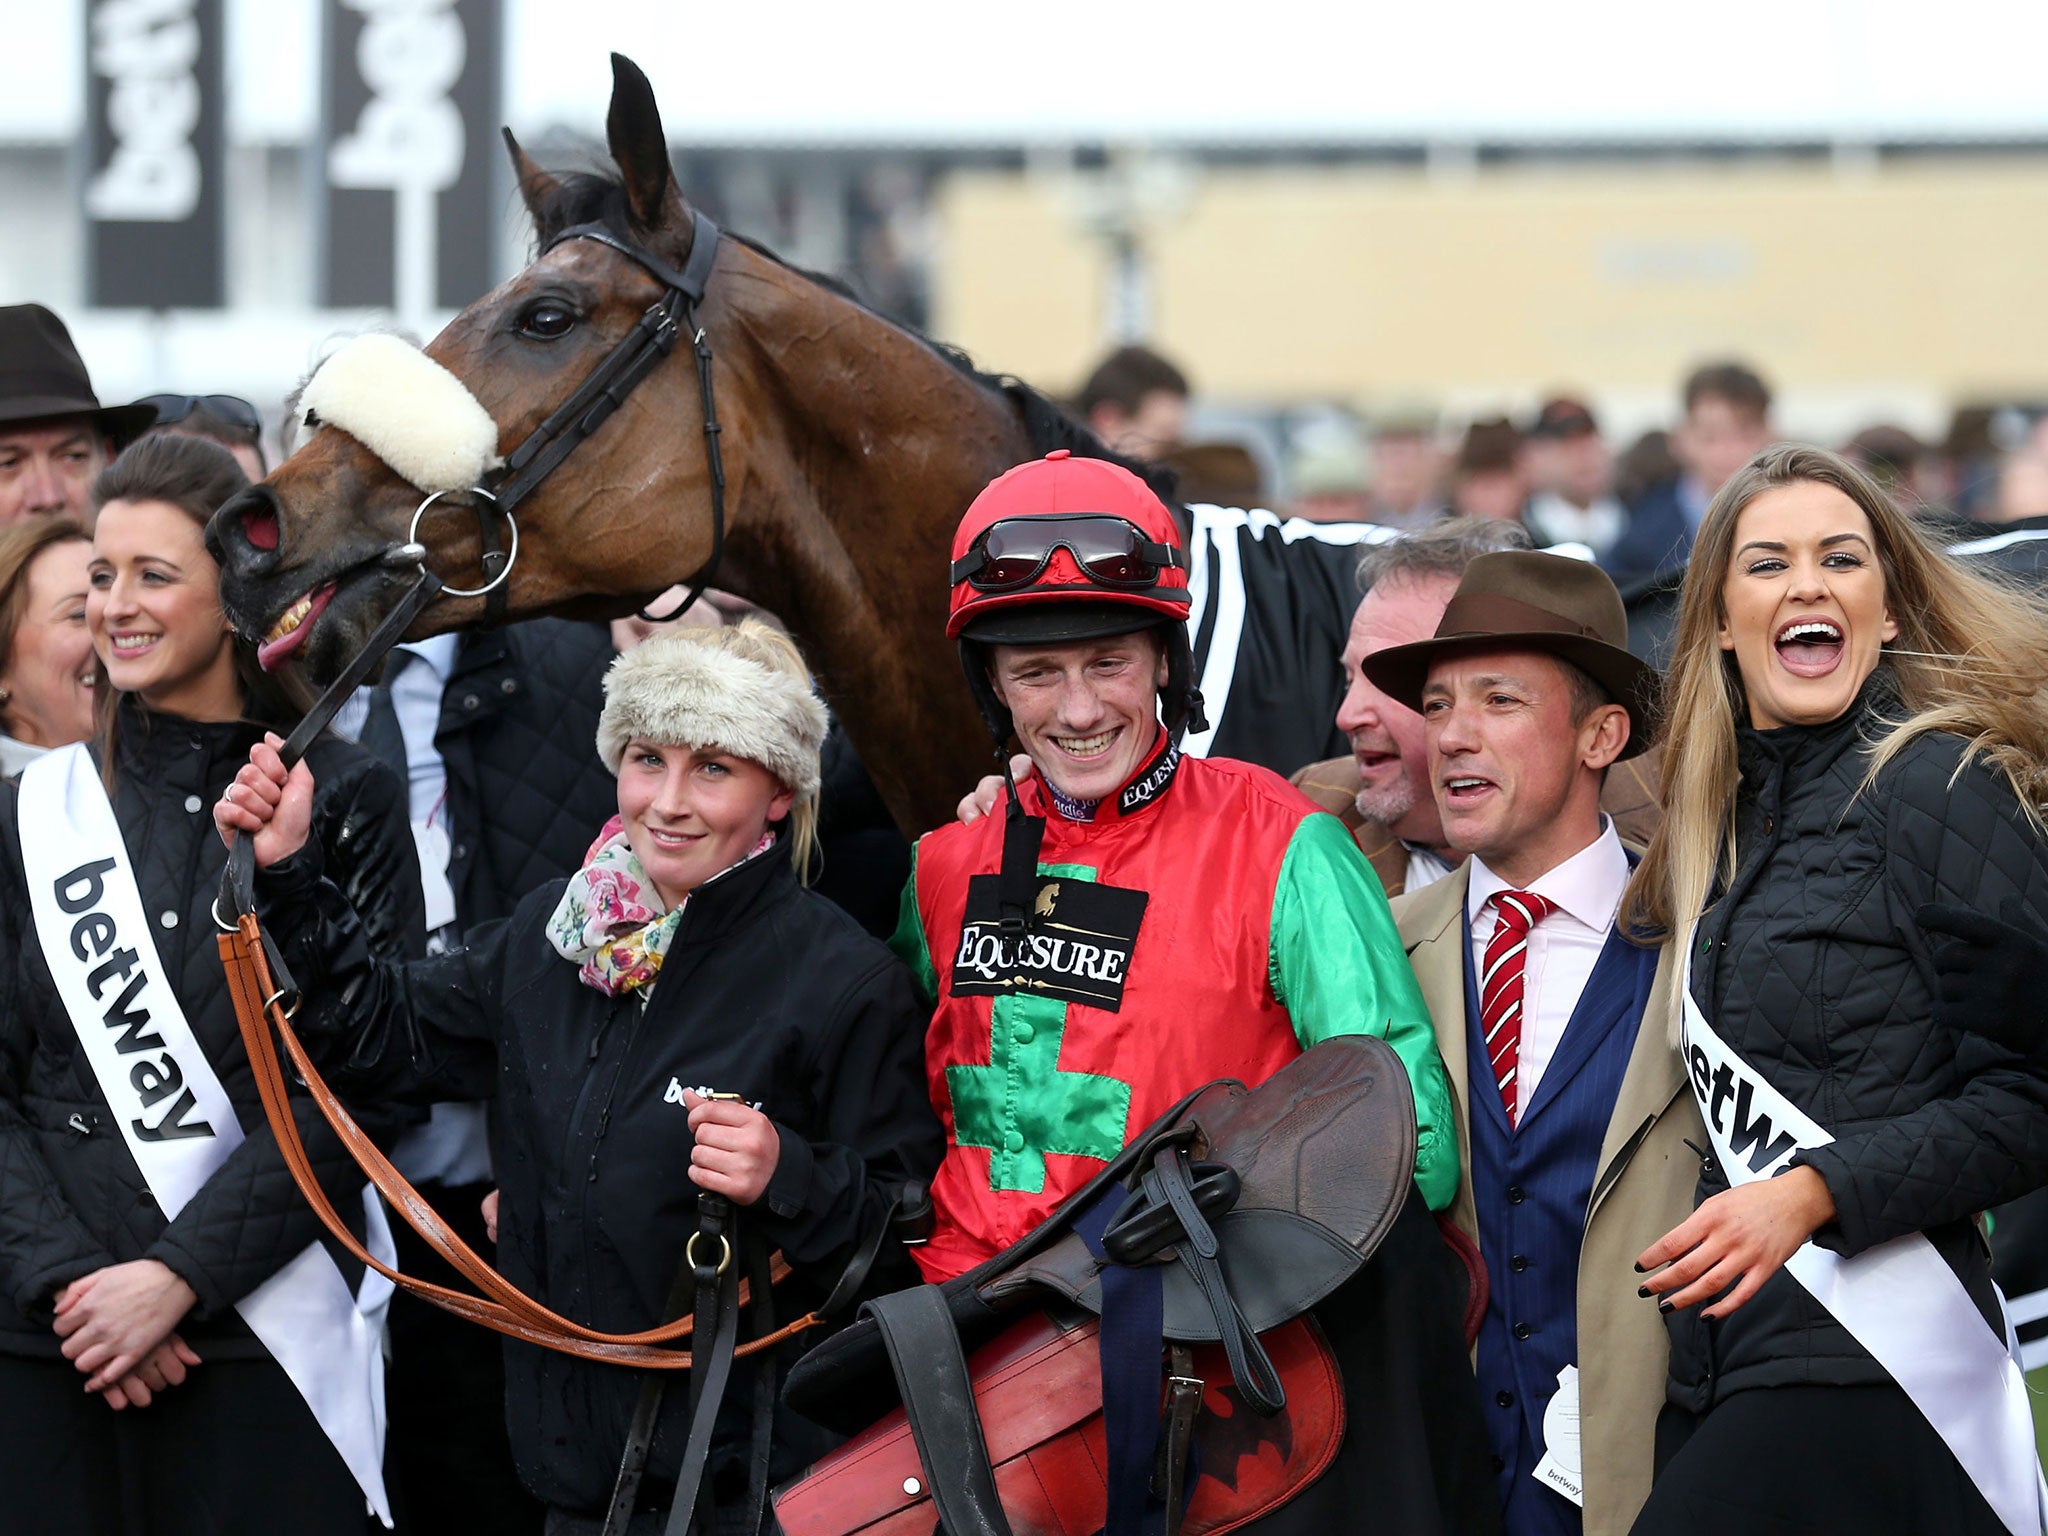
71,1197
1813,967
518,735
768,991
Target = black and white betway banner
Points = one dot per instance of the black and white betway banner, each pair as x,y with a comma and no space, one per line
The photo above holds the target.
1899,1300
154,211
414,177
175,1117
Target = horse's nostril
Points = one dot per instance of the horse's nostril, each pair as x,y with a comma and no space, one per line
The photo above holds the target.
259,526
245,533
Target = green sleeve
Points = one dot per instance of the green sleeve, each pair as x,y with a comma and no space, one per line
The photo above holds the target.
908,939
1337,965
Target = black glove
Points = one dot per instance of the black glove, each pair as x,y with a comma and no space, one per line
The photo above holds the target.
1993,974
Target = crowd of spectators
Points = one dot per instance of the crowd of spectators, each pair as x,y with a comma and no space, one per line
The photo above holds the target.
1634,506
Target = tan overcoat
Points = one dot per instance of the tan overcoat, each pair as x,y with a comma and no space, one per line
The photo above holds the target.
1644,1188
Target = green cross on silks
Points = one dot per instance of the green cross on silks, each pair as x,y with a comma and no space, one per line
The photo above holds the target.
1021,1105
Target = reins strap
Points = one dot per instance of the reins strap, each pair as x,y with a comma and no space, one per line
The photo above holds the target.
238,883
938,1401
717,1278
646,1414
503,1307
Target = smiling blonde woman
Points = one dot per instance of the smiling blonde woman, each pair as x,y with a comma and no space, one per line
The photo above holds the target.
684,956
1858,738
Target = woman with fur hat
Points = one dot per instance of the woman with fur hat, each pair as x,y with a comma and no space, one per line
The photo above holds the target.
679,1018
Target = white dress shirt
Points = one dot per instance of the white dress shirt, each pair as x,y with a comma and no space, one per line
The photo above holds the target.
1563,948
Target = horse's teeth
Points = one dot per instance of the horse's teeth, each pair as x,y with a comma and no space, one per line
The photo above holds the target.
291,618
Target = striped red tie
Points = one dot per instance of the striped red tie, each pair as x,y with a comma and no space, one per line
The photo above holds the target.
1500,985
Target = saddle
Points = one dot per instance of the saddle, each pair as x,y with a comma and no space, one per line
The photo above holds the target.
1145,1359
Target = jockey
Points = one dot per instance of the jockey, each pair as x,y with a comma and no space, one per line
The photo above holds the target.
1138,922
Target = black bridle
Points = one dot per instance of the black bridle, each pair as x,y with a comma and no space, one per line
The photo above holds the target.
635,356
588,407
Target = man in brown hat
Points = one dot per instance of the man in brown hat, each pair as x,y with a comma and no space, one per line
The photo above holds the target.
1571,1112
1381,790
55,436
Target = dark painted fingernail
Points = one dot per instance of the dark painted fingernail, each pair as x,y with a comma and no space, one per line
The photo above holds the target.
1640,1270
1643,1290
1665,1306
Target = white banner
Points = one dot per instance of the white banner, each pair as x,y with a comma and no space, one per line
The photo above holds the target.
173,1113
1899,1300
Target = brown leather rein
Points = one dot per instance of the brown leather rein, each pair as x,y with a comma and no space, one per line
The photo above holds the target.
502,1306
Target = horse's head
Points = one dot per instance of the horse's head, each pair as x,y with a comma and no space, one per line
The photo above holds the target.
313,556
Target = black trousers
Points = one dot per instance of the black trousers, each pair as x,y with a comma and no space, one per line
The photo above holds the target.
1810,1461
449,1460
234,1451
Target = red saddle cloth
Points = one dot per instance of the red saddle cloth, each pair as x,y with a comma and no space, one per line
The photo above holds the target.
1038,1386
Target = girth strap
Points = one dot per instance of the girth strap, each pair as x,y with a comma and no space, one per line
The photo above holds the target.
1131,1343
938,1400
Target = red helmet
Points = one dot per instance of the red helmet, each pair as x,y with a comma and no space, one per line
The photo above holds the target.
1061,548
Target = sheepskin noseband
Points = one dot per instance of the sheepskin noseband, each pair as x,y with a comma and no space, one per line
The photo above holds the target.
407,409
676,691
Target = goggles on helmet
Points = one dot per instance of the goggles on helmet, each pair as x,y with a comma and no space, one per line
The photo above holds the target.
1013,553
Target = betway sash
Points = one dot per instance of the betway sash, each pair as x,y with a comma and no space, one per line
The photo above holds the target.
173,1113
1899,1300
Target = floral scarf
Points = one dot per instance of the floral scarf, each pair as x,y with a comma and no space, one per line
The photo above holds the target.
610,920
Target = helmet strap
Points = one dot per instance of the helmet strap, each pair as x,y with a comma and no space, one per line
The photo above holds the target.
1017,881
1182,699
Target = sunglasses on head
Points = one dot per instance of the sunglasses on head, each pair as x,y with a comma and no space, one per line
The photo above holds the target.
232,409
1110,552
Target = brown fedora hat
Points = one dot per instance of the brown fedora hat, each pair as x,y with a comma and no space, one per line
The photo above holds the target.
41,374
1526,600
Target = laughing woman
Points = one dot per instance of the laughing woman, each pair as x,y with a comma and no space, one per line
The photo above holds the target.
146,1216
684,954
1860,736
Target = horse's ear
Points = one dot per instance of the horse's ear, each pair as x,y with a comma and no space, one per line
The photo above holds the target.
633,130
537,188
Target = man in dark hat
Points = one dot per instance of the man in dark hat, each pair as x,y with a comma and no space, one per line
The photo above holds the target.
55,436
1552,1024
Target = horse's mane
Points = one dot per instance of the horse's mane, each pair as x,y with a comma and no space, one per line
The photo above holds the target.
599,197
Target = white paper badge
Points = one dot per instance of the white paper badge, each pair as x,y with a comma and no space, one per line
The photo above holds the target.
1559,1467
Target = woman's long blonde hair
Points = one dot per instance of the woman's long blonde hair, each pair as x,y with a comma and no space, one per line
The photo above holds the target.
1971,658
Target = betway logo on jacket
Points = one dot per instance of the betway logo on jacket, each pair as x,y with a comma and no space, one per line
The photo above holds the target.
1078,949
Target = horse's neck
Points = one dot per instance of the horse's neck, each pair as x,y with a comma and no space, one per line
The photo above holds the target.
864,449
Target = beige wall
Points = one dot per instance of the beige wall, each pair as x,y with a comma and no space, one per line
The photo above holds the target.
1897,283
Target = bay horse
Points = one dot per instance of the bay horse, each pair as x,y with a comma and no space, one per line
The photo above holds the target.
851,447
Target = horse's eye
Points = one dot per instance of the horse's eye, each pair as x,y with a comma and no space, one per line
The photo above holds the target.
547,320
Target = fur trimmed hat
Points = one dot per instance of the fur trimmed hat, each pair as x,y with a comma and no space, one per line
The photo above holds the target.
727,689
